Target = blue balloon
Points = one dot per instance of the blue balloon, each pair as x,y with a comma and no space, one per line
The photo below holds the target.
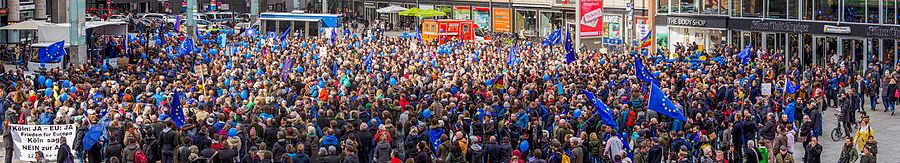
214,51
393,81
524,146
14,84
232,132
245,94
63,97
48,83
577,113
656,74
48,92
104,67
227,81
143,55
259,72
546,77
41,79
67,83
73,89
300,69
426,113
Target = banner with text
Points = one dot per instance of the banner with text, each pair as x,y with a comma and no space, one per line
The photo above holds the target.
591,18
29,139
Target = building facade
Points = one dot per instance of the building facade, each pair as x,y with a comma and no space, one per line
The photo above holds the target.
530,18
808,32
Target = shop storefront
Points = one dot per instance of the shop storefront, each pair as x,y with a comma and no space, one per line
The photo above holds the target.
705,31
526,22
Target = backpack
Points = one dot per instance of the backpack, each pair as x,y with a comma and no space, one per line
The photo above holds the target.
565,159
140,157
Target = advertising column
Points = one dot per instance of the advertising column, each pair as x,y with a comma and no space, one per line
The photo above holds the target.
591,18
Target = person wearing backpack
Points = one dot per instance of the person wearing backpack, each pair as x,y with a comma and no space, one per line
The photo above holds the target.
130,150
64,154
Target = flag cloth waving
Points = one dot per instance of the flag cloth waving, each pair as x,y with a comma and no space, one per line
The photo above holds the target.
789,87
602,109
177,111
745,54
660,103
645,42
570,51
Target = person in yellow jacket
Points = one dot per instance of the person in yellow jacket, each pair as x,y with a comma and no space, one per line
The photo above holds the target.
863,134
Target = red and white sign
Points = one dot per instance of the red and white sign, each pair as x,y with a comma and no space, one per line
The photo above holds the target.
591,18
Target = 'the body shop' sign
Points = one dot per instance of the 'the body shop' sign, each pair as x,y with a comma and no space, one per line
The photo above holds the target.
591,18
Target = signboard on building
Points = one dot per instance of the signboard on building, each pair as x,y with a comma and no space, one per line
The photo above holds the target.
501,20
836,29
26,7
611,24
28,139
693,21
591,18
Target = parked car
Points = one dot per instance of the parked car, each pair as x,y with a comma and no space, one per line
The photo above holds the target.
117,18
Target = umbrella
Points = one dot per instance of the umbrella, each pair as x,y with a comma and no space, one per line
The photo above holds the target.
391,9
410,12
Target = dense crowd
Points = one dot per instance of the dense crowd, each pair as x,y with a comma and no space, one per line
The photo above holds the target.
365,97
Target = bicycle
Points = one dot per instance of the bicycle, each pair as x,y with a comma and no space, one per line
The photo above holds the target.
837,133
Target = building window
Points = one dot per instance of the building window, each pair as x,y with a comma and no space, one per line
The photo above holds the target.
662,6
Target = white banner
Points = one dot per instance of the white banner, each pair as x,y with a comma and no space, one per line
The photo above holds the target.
29,139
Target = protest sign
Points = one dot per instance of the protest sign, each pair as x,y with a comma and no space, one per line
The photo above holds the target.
29,139
767,89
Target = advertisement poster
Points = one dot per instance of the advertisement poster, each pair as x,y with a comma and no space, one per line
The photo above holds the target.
462,12
482,17
29,139
641,27
612,26
501,20
591,18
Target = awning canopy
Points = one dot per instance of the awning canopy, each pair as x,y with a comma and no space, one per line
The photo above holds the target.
391,9
26,25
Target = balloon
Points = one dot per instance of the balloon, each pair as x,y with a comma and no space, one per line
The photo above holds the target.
656,73
393,81
143,55
426,113
73,89
232,132
227,81
104,67
259,72
577,113
546,77
299,69
41,79
63,97
48,92
67,83
48,83
524,146
244,94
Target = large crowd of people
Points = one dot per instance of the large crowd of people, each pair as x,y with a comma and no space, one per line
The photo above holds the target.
365,97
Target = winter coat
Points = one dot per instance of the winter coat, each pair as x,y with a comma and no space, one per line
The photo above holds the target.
383,152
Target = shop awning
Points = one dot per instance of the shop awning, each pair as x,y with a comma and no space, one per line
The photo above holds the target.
391,9
26,25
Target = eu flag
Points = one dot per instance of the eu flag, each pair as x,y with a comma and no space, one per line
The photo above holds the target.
511,59
641,72
570,51
333,36
44,56
661,104
57,50
745,54
552,39
789,111
186,46
789,87
285,33
602,110
435,136
177,112
92,136
368,60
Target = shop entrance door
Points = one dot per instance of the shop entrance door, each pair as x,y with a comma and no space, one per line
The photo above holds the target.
825,50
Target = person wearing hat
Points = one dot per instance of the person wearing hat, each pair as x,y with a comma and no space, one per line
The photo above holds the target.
784,156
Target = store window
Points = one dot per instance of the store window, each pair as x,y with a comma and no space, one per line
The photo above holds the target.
736,7
711,6
752,8
855,11
872,15
549,22
526,22
662,6
825,11
793,10
777,9
687,6
890,11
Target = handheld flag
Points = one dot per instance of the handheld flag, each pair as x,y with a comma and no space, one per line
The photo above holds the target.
570,51
602,109
57,50
285,33
177,111
554,38
745,54
186,47
641,72
645,42
789,87
333,36
789,111
660,103
511,59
